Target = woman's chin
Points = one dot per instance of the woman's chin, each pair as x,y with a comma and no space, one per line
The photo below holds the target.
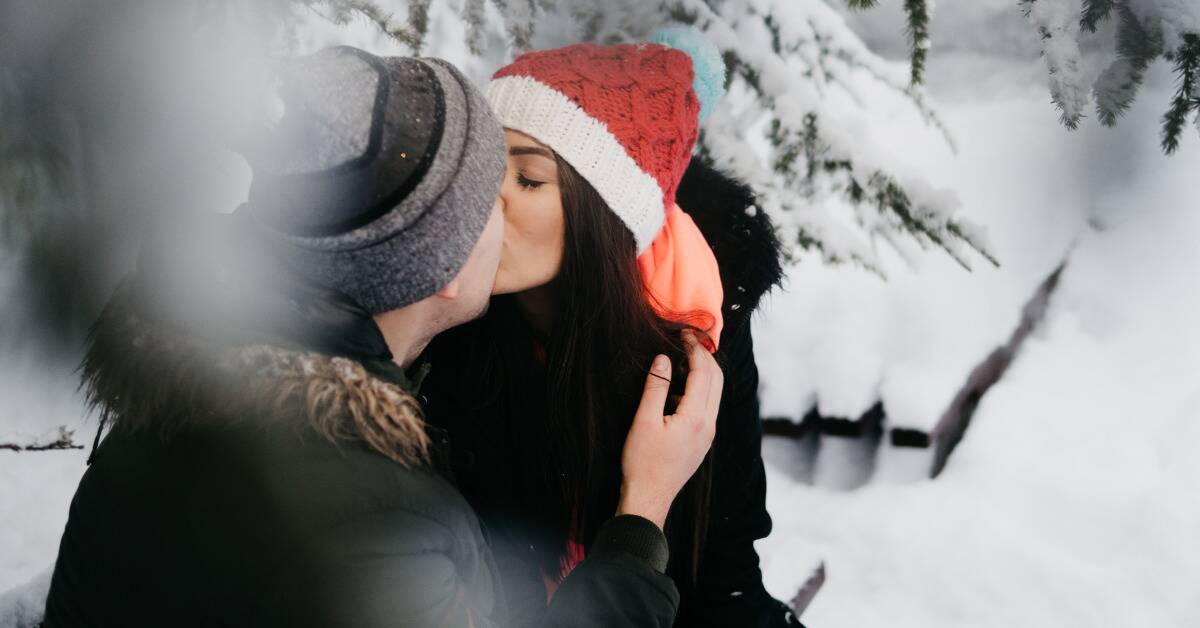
506,284
510,284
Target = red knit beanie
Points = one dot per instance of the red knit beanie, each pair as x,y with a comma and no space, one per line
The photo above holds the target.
626,117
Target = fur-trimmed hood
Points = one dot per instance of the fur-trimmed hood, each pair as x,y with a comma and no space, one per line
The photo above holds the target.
742,237
142,371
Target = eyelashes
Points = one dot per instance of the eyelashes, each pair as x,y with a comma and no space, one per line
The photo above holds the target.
527,183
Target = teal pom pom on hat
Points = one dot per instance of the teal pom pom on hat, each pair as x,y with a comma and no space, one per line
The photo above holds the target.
707,64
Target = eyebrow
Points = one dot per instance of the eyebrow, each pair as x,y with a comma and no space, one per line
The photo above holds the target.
530,150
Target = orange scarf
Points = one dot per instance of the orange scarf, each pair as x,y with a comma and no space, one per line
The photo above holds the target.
683,282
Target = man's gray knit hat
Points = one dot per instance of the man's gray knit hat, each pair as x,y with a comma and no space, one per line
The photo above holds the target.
380,176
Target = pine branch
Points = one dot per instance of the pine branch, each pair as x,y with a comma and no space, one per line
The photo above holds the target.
1196,98
1136,40
804,171
1143,31
418,22
889,197
916,30
787,152
1060,50
1116,87
1187,66
970,234
918,37
1094,12
472,16
801,214
830,50
914,93
876,189
411,35
590,20
520,17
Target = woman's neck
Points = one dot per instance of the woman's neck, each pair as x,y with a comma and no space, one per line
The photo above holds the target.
537,307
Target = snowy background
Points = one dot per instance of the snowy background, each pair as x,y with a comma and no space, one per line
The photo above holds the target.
1074,498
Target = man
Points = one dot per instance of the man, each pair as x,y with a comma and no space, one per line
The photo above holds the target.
267,463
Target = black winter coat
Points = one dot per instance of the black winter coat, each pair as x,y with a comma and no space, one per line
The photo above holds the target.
236,486
729,590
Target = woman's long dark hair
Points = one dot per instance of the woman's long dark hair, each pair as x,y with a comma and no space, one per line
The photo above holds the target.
572,406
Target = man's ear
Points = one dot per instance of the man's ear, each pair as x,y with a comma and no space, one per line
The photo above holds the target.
450,290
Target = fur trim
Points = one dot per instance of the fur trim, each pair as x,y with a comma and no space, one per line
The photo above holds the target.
742,237
144,376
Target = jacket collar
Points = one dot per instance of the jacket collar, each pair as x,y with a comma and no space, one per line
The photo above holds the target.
742,237
249,354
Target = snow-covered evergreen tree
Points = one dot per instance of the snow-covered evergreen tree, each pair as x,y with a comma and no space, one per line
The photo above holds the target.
90,148
778,129
785,57
785,127
1145,30
1142,32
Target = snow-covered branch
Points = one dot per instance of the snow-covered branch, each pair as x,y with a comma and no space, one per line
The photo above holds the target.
787,57
58,438
1146,30
787,131
1058,28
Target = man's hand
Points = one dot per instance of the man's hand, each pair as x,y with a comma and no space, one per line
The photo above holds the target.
663,452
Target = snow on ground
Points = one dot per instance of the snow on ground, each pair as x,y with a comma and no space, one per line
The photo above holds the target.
35,490
1072,500
912,339
36,487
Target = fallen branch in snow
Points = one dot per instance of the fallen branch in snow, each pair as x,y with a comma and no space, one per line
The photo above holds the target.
953,424
805,595
58,438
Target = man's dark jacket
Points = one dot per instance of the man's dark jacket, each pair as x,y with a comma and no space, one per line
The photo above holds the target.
266,465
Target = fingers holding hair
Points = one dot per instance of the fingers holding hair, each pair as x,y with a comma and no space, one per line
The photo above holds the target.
658,384
702,391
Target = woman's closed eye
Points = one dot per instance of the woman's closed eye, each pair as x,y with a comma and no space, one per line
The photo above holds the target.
527,183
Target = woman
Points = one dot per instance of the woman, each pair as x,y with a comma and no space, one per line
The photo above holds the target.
601,271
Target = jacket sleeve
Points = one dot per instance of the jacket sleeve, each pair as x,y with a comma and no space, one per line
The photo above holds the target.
382,578
729,590
620,583
401,567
